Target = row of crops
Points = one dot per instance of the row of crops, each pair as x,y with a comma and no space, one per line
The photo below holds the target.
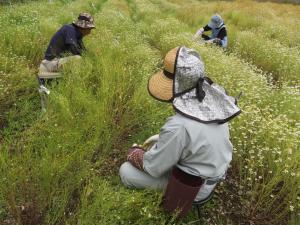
61,167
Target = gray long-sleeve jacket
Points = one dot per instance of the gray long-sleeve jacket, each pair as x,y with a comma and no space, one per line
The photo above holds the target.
196,148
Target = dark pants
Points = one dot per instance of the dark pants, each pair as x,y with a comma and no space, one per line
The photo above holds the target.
44,82
49,82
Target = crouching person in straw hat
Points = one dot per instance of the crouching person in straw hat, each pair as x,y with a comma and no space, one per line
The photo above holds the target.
67,40
193,146
218,32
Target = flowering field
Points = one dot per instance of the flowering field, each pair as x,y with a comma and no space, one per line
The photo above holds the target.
61,167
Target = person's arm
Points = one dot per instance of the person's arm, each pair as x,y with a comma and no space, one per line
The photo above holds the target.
201,30
224,42
81,45
206,28
73,44
74,49
222,36
166,152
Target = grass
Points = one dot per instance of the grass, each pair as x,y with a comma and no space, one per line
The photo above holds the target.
264,38
233,66
61,167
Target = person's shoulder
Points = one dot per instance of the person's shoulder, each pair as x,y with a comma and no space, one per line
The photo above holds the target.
187,123
183,119
223,27
206,27
68,27
176,122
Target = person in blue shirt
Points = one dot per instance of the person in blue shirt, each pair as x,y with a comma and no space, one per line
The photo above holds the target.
218,32
65,45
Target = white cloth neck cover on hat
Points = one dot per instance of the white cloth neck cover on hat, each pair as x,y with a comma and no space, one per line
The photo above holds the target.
216,106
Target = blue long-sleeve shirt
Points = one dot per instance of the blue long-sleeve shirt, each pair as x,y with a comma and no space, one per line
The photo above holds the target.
68,39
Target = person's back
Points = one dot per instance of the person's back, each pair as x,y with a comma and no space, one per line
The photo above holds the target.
65,45
199,149
208,148
68,39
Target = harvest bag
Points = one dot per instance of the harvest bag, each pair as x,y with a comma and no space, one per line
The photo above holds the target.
181,192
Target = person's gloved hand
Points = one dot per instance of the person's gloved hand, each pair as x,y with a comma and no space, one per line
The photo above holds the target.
135,157
150,141
209,41
217,41
133,149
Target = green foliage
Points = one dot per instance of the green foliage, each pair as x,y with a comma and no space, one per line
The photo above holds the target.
61,167
107,203
270,42
243,74
281,61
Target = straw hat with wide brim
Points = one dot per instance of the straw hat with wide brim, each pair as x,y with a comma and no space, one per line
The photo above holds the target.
160,85
183,83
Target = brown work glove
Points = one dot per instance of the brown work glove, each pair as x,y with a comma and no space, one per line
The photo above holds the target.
135,156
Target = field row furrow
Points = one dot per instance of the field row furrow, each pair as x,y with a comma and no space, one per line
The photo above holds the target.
255,45
91,114
30,189
274,21
257,148
25,39
62,167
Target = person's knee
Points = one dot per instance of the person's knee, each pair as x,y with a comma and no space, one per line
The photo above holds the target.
67,60
124,173
123,169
